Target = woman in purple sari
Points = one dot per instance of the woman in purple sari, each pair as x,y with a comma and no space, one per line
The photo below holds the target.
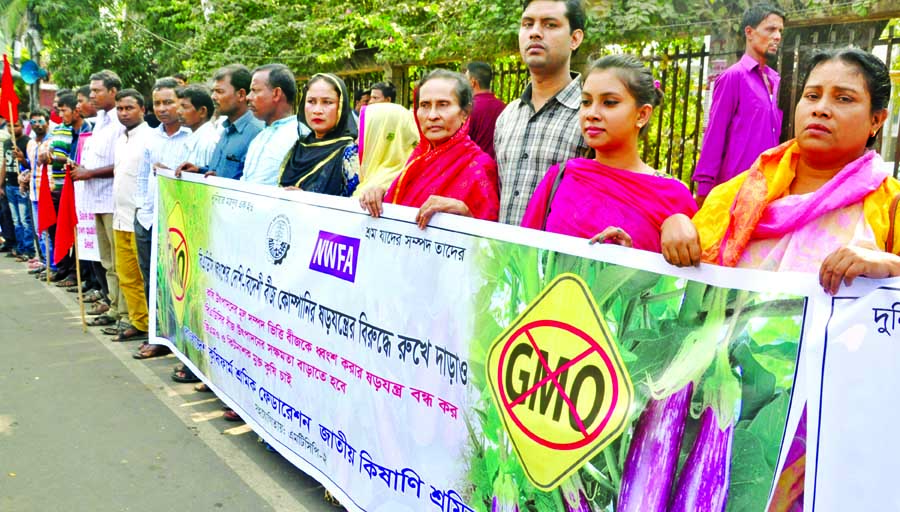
613,197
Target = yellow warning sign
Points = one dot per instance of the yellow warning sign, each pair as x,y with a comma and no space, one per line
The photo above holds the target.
559,382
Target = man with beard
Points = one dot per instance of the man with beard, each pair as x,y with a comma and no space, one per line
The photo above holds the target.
744,118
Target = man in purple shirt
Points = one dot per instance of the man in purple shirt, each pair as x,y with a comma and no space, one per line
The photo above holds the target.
744,119
486,107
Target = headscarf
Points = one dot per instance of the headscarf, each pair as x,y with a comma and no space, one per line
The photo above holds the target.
387,136
739,211
316,165
457,168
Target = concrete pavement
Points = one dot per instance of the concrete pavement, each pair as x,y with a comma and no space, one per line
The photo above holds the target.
84,427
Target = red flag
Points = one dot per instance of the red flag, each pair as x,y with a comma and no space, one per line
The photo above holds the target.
9,102
66,220
46,211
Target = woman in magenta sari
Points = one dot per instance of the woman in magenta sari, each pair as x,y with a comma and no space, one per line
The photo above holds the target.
614,196
447,172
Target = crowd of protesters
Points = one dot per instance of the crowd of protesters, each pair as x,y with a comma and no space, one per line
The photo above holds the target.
563,157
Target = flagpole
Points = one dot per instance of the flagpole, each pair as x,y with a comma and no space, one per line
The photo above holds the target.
78,280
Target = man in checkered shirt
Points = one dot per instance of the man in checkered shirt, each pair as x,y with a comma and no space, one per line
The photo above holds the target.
541,128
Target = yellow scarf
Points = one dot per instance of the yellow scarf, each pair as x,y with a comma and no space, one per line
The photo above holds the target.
387,137
769,179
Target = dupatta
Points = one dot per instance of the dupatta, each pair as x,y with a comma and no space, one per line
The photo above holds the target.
458,169
593,196
387,137
742,209
317,165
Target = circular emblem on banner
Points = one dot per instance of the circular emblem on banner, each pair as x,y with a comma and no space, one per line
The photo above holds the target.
179,254
278,238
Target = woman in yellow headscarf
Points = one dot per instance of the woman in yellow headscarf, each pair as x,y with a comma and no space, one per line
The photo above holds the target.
387,136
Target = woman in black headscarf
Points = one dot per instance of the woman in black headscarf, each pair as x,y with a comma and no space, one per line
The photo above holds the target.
325,161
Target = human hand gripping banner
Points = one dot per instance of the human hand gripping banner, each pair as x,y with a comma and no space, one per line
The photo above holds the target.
475,366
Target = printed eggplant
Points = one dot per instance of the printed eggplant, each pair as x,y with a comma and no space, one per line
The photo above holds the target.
704,480
506,495
574,497
653,455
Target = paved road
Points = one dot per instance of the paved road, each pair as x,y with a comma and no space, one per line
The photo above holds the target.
84,427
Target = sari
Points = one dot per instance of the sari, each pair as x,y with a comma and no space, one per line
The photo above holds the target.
387,136
753,221
592,196
324,165
457,169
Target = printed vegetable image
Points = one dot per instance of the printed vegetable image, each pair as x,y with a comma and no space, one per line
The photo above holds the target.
712,368
652,458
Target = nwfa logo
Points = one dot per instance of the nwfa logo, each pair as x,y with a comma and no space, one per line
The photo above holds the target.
336,256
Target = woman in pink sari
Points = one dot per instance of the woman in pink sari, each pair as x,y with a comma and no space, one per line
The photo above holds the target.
447,172
613,197
822,202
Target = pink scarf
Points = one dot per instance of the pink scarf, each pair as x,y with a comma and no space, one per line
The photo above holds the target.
593,196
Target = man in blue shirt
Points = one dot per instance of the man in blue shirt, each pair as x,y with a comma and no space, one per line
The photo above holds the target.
229,94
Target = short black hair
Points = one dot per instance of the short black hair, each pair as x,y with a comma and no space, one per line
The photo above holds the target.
39,112
199,97
387,89
180,76
463,90
84,90
109,78
165,83
67,99
281,76
360,93
131,93
574,13
238,75
481,72
873,70
755,14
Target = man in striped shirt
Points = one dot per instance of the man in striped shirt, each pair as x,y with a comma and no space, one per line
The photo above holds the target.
96,170
540,128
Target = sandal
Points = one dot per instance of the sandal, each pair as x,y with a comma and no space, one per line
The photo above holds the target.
230,415
98,308
101,320
92,296
130,334
112,331
65,283
151,351
202,388
183,375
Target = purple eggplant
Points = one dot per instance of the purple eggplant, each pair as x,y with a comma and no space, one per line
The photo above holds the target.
574,497
653,455
506,495
704,479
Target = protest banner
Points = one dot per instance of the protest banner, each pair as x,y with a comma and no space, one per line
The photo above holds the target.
471,365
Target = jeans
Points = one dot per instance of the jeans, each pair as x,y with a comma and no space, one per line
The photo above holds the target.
142,240
7,226
20,209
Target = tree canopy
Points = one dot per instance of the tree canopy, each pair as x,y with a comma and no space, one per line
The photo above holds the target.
143,39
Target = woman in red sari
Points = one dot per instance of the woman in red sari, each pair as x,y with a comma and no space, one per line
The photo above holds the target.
613,197
447,172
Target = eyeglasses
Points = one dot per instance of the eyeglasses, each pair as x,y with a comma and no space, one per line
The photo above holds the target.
38,121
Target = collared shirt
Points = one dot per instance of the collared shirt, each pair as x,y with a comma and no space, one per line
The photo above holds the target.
267,151
486,108
202,143
528,143
129,156
229,154
100,151
744,121
161,148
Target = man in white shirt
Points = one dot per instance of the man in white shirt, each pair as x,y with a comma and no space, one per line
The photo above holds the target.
96,170
129,155
272,94
195,109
